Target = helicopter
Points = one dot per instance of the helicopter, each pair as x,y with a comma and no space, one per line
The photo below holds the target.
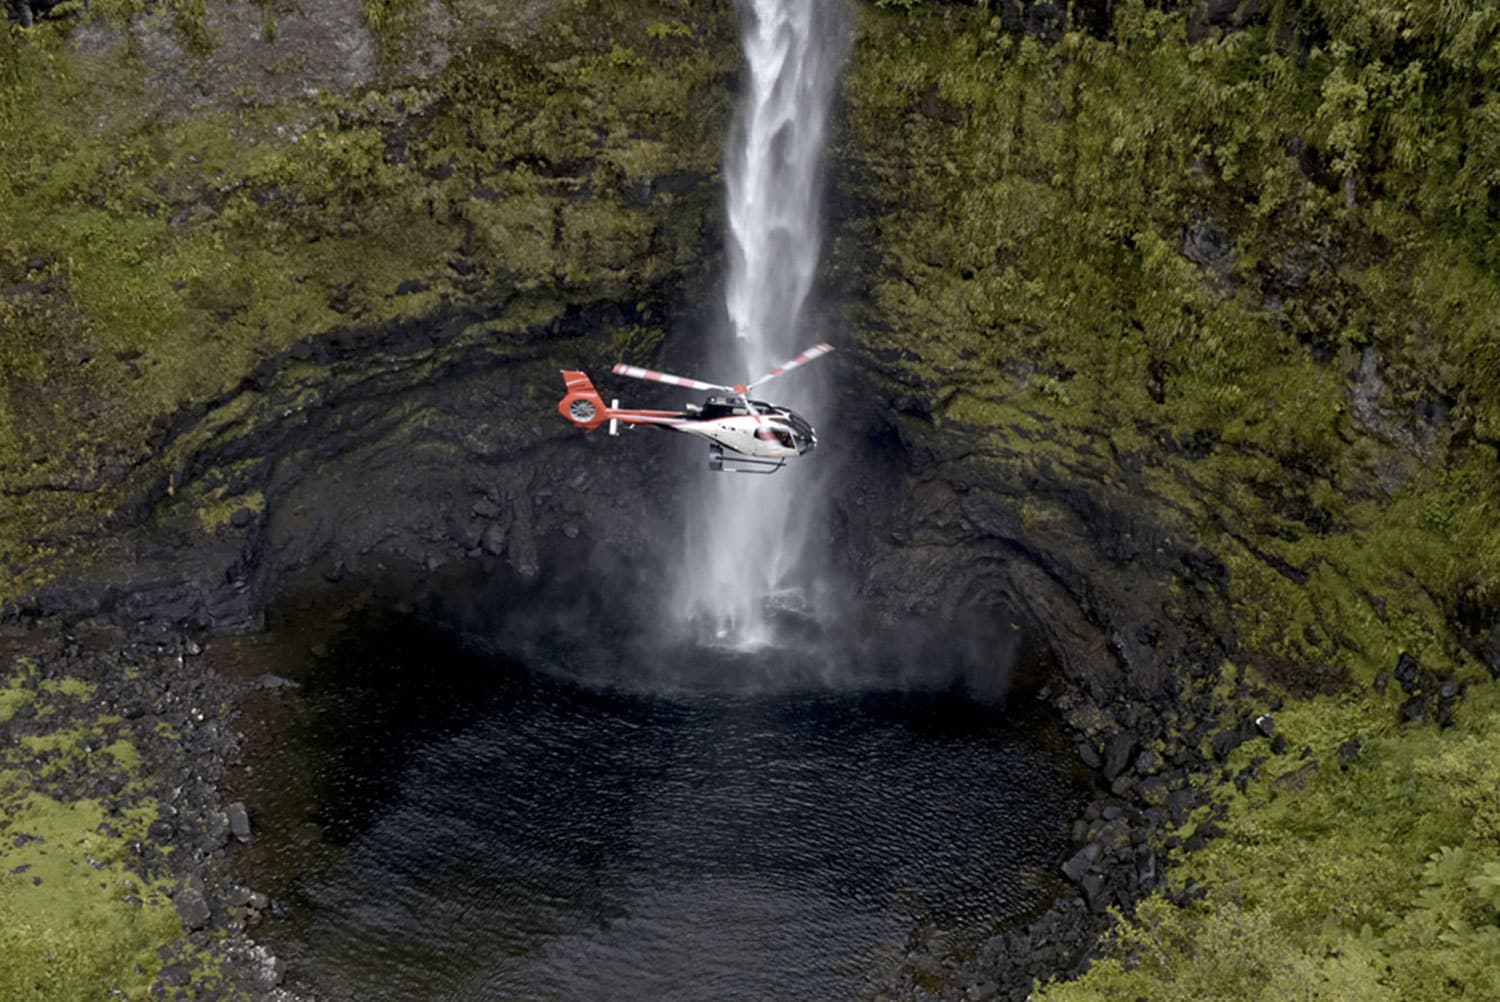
744,435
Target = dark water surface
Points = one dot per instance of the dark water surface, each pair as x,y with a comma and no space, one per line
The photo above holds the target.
443,824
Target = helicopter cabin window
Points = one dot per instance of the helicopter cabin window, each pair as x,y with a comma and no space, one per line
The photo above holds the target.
778,435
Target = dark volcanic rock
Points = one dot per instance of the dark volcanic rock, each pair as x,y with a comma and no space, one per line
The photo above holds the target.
192,906
175,974
239,821
1082,861
1117,754
1407,671
1226,741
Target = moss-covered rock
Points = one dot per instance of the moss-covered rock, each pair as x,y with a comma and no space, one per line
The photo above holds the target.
1232,294
1201,324
168,229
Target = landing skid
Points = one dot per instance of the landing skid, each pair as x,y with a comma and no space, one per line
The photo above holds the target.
720,463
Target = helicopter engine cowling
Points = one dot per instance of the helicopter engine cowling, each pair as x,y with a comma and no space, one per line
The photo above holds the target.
582,404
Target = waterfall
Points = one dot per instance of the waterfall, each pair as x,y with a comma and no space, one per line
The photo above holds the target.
749,538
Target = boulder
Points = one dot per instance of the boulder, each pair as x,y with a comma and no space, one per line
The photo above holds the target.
1117,755
192,906
239,821
1407,671
1080,862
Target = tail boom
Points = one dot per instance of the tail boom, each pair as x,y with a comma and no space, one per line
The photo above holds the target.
583,406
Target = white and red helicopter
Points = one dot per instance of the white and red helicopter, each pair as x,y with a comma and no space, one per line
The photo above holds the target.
759,437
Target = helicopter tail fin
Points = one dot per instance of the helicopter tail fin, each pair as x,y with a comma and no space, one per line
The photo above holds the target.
582,404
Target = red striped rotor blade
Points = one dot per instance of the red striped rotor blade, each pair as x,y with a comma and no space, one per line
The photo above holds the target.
651,375
816,351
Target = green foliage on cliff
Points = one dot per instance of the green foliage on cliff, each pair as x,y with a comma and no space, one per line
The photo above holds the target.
1252,279
1259,267
150,257
1371,876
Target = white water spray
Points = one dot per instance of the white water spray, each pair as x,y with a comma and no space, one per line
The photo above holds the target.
748,544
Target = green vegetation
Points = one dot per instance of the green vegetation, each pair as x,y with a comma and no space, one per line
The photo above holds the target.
1176,251
148,261
74,923
1136,251
1377,879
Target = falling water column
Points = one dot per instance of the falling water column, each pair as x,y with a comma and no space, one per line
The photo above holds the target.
750,536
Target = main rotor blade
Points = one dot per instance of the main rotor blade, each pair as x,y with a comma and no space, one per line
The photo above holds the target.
637,372
816,351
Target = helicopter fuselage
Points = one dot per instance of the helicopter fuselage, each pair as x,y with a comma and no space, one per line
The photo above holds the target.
765,431
761,436
750,428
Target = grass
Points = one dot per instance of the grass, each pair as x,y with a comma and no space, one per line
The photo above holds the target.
66,928
75,920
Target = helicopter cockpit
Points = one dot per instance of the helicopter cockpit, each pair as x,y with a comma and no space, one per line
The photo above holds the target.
788,429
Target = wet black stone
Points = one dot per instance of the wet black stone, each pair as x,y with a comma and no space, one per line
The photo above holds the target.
1266,724
1088,755
1153,790
1278,744
462,266
1446,711
239,821
1080,862
1407,670
1414,710
1117,755
410,286
1093,892
1180,802
241,518
193,907
1226,741
175,974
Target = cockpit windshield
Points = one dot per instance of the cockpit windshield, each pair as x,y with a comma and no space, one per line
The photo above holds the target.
776,433
806,437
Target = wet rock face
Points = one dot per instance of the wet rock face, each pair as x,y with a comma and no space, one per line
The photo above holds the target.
928,523
435,443
427,444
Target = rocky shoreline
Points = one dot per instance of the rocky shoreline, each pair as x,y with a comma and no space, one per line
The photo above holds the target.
166,700
1159,764
144,735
